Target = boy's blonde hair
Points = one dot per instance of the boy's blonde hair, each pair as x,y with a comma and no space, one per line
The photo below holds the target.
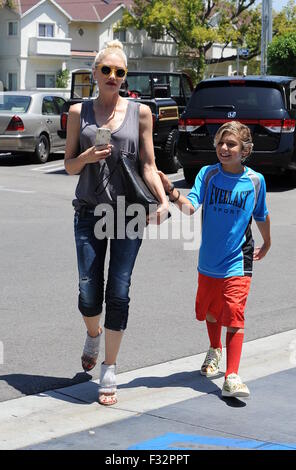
112,47
239,130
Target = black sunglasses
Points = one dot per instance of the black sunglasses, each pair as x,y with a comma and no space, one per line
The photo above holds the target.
118,71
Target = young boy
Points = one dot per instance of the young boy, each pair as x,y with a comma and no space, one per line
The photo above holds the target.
230,195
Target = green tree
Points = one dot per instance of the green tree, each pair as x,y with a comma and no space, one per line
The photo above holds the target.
195,25
281,55
62,78
7,3
285,21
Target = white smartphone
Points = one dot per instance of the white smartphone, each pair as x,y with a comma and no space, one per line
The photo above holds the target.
103,137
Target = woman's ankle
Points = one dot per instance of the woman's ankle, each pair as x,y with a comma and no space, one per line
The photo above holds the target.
95,333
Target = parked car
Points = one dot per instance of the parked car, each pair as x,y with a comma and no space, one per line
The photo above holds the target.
166,93
29,123
262,102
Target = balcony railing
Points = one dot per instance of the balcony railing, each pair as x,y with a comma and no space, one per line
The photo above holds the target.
159,48
39,46
133,51
216,50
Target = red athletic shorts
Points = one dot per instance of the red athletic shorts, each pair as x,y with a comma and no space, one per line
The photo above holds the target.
224,298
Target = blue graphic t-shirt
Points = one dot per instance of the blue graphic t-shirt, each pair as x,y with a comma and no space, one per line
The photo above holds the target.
229,201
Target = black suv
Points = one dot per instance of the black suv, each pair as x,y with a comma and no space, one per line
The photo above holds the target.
265,103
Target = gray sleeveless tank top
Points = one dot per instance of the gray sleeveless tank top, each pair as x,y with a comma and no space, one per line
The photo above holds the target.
101,182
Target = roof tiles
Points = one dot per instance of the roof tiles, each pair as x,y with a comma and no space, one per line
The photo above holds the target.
81,10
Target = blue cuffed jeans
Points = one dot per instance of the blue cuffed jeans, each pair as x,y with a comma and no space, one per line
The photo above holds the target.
91,253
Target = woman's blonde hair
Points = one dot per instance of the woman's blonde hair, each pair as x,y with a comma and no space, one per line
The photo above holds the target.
112,47
239,130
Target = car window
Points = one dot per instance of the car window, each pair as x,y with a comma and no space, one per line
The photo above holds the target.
49,106
174,81
292,94
59,103
140,83
159,79
241,97
14,103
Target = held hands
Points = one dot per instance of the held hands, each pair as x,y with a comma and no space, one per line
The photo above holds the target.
165,181
95,154
162,213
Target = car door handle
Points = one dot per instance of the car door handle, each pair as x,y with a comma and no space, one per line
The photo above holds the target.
49,121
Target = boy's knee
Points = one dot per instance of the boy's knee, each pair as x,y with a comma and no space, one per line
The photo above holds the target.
230,329
210,318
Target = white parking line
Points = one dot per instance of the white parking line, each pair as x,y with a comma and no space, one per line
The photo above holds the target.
49,167
16,190
52,170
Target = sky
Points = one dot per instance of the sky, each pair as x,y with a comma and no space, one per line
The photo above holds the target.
277,5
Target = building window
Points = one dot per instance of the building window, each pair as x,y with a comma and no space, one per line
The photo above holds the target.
46,30
12,81
45,80
120,35
12,28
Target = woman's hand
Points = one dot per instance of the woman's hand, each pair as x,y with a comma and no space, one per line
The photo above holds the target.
94,154
167,185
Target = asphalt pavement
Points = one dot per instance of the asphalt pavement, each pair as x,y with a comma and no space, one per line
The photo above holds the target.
47,402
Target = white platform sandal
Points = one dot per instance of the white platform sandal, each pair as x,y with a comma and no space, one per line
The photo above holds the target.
90,352
108,389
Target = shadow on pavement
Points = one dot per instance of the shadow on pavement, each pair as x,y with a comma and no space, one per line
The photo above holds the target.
24,160
36,384
33,384
191,380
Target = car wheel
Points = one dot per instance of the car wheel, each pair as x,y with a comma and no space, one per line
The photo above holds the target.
171,163
42,149
190,175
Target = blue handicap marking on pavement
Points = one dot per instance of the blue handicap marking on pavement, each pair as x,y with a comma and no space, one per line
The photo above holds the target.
174,441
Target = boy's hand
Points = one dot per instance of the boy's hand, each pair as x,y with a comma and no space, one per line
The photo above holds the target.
260,252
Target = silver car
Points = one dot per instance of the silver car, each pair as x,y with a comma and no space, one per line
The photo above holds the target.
29,122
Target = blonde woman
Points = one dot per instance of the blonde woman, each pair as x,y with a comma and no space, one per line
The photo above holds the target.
99,182
230,195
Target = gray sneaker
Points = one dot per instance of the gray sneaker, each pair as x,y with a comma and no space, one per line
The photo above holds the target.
234,387
210,366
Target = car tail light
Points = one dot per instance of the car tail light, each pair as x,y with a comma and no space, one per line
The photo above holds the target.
64,119
189,125
181,125
289,125
237,82
16,124
278,125
273,125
